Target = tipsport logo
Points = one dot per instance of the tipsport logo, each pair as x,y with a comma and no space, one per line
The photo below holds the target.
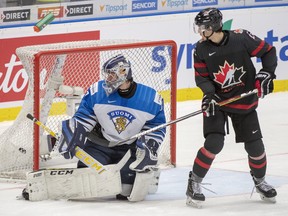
144,5
113,8
174,3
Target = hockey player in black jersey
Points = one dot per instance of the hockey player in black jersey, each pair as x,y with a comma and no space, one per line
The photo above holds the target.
223,69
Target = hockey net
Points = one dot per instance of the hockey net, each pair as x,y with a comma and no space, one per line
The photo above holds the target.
59,74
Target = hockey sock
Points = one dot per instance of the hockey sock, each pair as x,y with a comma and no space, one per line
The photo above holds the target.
203,162
258,165
256,157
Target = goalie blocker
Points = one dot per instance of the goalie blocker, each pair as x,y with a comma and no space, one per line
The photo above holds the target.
73,183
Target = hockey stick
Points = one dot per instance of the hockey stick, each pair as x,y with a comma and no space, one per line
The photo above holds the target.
222,103
83,156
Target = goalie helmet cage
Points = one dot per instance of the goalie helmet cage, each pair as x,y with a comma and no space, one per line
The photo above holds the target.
58,72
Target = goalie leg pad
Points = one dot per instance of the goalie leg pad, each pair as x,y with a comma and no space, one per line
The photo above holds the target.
141,186
72,184
155,181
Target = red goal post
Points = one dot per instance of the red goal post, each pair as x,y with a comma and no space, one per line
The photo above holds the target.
60,73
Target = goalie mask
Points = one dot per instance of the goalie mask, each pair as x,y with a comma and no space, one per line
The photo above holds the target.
115,72
208,19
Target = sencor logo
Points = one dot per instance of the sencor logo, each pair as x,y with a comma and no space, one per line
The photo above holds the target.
145,5
57,12
198,3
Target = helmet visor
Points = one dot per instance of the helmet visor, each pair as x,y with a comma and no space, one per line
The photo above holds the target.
201,28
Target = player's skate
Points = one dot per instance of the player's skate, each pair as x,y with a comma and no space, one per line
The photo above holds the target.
195,197
266,191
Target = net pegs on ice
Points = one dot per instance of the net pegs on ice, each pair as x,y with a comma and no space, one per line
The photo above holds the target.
44,22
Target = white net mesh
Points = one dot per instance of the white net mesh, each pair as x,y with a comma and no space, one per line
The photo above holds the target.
76,64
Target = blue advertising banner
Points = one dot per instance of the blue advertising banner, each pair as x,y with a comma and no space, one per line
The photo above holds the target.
144,5
204,3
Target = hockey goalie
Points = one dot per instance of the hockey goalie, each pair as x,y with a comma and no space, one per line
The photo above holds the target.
111,111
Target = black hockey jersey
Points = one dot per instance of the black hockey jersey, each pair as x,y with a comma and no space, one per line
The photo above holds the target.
227,69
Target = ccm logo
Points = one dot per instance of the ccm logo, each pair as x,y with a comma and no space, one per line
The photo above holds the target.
61,172
56,11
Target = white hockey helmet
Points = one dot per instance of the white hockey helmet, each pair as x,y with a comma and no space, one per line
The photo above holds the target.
115,72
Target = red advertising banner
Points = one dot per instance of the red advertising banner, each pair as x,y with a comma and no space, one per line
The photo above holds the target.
13,78
58,12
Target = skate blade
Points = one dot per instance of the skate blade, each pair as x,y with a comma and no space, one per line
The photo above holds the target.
268,199
194,203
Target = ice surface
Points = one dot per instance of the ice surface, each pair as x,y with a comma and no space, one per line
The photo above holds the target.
229,176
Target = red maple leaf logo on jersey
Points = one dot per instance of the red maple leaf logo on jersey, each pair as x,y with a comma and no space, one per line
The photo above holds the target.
229,75
238,31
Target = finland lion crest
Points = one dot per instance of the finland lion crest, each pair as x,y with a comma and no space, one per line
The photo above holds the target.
121,119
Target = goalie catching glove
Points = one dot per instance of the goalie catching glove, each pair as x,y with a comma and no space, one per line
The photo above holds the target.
146,155
73,134
264,83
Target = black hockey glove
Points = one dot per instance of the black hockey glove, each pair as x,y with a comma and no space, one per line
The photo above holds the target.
210,104
73,134
264,83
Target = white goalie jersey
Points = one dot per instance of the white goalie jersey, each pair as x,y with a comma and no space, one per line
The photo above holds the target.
119,117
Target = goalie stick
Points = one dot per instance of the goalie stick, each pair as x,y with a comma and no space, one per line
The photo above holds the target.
83,156
222,103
